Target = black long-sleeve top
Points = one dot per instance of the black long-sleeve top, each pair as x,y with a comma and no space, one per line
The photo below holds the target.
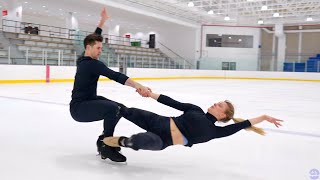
87,76
197,126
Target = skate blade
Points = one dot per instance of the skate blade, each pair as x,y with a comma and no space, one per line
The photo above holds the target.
108,161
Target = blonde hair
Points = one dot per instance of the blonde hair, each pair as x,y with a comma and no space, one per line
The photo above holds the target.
252,128
229,115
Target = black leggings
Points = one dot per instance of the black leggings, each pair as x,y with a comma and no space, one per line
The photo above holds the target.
157,127
96,110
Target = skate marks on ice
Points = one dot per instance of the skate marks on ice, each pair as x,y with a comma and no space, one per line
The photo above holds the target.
140,169
95,165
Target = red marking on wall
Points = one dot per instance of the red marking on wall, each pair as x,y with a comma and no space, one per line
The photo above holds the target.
47,73
4,13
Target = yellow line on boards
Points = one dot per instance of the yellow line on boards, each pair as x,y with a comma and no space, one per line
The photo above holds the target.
221,77
161,78
61,80
22,81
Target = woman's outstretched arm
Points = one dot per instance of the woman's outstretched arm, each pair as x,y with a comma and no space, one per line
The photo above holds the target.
168,101
244,124
270,119
154,96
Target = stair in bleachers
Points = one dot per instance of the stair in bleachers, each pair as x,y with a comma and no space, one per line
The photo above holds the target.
3,53
139,57
44,48
123,49
3,56
37,49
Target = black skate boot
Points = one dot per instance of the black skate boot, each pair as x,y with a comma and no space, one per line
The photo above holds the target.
111,153
100,142
120,111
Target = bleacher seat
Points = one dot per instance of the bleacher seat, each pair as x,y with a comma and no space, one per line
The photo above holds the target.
311,65
299,67
288,67
38,48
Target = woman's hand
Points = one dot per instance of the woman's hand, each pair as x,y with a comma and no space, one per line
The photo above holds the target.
270,119
153,95
143,91
273,120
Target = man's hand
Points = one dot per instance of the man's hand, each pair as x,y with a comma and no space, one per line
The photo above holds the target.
104,15
144,91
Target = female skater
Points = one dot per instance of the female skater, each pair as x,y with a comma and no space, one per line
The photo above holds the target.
192,127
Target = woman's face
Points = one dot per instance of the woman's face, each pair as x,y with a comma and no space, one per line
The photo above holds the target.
218,109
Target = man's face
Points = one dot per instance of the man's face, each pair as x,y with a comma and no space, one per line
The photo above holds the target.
95,50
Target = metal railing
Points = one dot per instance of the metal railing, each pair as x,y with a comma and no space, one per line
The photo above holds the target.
78,36
52,31
110,39
181,62
33,28
44,57
60,58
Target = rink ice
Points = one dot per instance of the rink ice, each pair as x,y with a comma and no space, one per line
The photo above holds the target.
40,140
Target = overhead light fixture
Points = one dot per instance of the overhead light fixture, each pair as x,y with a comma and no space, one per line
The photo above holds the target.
26,2
264,8
276,15
210,12
309,19
227,18
190,4
239,40
43,6
230,37
260,21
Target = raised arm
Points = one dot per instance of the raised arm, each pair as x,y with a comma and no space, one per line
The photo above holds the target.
166,100
103,18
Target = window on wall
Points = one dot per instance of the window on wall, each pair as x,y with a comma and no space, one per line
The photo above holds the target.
234,41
